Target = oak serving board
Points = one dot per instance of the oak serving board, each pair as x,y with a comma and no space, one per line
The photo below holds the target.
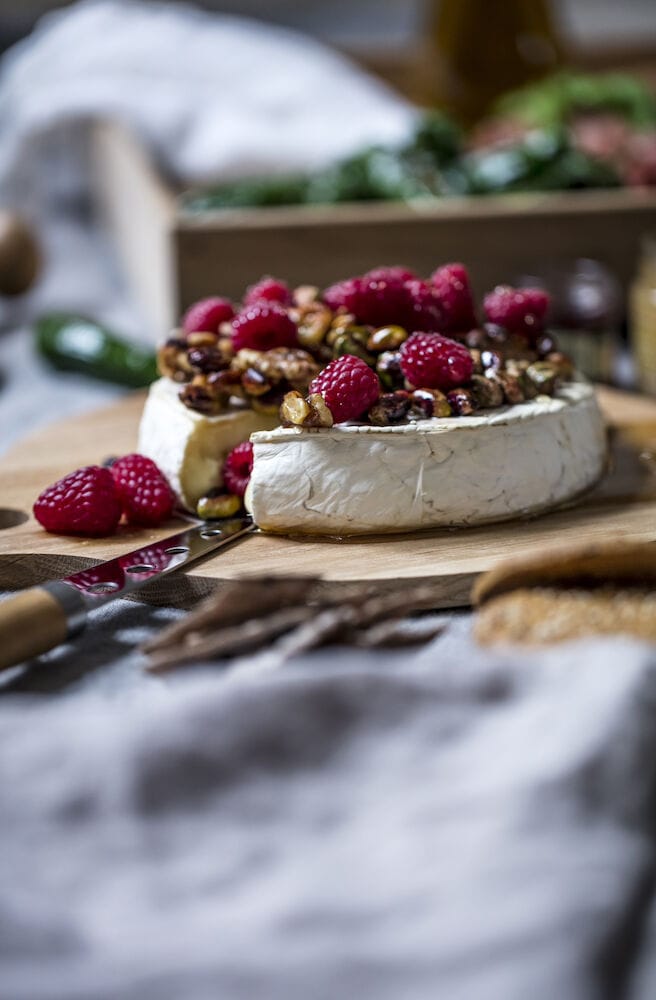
623,504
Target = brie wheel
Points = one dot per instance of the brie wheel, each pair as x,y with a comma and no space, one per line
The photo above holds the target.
358,479
189,447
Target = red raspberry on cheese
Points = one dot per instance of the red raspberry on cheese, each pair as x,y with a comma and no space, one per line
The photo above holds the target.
348,387
237,468
519,310
431,361
270,290
207,315
451,284
263,326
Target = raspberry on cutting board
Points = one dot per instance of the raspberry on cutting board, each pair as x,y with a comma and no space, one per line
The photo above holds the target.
84,502
429,360
348,387
143,491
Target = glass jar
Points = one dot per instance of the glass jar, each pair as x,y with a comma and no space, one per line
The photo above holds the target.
642,317
482,48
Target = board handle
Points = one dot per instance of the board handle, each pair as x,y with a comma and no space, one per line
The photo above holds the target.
37,620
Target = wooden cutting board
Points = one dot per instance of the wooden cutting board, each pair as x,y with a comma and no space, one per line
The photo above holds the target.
624,504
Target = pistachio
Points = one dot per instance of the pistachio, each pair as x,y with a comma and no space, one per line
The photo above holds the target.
510,386
386,338
487,392
426,403
341,320
221,505
391,408
300,412
388,369
349,343
543,375
462,402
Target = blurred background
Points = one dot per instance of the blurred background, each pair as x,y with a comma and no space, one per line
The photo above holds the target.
152,153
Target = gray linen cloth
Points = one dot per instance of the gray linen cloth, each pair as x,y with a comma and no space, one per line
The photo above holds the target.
416,825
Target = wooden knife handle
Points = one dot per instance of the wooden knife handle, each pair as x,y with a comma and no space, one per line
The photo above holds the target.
31,623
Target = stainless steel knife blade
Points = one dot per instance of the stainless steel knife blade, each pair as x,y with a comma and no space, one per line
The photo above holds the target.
39,619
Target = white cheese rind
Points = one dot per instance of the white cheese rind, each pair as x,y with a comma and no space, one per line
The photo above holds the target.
188,447
357,479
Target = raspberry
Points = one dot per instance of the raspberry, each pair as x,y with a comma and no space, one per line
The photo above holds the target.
207,315
424,311
263,326
397,274
269,289
520,310
142,489
348,386
451,284
430,361
237,468
379,301
83,503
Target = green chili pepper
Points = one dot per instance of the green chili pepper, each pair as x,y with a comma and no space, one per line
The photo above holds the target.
78,344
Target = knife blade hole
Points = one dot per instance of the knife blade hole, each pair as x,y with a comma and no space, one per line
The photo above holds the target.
176,550
11,518
211,532
102,588
139,568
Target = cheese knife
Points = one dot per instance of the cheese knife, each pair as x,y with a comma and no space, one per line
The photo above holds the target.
36,620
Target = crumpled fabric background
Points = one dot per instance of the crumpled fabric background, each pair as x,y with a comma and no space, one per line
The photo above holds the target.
441,822
213,97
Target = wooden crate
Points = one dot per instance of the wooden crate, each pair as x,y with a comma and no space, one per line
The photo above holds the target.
172,257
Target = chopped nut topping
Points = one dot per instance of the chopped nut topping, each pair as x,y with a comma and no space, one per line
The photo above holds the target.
427,403
313,322
462,402
305,295
218,505
487,392
391,408
299,412
387,338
